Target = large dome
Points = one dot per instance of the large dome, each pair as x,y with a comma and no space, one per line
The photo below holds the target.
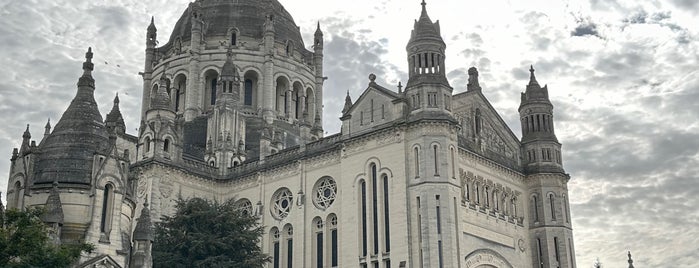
247,16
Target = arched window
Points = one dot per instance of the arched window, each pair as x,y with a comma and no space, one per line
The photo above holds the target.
166,145
248,92
147,144
318,242
535,207
362,187
386,222
375,207
289,236
436,160
453,163
566,209
212,163
540,253
107,205
485,195
417,162
334,253
514,207
181,84
276,250
234,39
553,210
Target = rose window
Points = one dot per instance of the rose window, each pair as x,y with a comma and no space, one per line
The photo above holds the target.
325,192
281,203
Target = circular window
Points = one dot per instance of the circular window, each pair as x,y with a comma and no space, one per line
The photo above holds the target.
324,191
244,206
281,203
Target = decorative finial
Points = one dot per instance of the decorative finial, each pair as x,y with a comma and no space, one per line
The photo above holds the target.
630,260
48,123
116,98
372,77
400,87
152,20
423,3
88,65
532,77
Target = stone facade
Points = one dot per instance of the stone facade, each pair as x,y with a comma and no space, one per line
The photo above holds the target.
232,108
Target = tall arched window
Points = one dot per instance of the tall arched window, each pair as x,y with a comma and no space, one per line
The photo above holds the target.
334,253
276,250
436,160
496,203
453,163
166,145
417,162
553,210
514,207
386,222
318,242
535,207
289,236
362,186
375,207
467,195
566,211
107,205
234,39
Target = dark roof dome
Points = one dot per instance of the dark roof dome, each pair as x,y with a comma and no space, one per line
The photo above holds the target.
247,16
67,153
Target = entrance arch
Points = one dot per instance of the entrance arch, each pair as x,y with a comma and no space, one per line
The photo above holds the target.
485,258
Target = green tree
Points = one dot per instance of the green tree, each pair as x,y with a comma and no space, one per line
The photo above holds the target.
25,242
208,234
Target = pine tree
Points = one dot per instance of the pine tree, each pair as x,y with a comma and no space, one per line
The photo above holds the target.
208,234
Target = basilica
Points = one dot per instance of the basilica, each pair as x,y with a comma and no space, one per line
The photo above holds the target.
232,108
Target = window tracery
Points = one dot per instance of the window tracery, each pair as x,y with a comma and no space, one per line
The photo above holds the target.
325,192
281,203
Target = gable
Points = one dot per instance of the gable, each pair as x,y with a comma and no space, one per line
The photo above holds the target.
484,131
373,108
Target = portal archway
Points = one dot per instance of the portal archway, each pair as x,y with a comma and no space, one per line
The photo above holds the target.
486,258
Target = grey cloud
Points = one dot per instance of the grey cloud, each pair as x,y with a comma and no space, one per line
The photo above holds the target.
584,29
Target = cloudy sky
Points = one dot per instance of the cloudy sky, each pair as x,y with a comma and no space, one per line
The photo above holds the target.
623,76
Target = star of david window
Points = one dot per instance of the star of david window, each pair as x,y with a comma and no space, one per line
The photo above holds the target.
244,206
281,203
324,192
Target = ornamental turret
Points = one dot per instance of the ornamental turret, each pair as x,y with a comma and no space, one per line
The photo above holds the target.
143,236
426,52
542,152
428,89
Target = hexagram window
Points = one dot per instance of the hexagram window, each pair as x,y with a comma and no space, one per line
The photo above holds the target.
325,192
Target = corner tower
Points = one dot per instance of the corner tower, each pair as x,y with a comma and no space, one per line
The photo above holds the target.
550,228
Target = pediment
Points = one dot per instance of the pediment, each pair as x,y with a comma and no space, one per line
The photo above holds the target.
102,261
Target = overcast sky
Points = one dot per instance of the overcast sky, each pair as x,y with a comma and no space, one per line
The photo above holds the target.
623,76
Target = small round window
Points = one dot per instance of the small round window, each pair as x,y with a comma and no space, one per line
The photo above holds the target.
281,203
324,192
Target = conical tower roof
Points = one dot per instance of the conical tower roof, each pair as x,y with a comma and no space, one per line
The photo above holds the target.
114,118
67,153
144,226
